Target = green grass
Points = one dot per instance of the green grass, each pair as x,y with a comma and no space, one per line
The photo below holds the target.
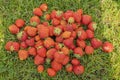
100,66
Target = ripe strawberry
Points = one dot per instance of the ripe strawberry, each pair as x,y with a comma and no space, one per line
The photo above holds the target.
43,31
59,39
45,23
50,53
68,27
8,45
57,31
66,34
82,35
81,43
78,69
23,45
20,23
38,60
26,28
35,20
75,62
96,43
79,51
22,36
73,34
90,34
58,46
107,47
56,66
63,22
23,54
13,29
92,26
44,7
41,51
68,14
32,51
51,28
86,19
66,60
74,26
69,68
77,17
32,31
49,42
89,50
40,68
71,20
37,38
37,12
38,44
51,72
65,50
59,14
80,11
55,22
53,14
30,42
47,17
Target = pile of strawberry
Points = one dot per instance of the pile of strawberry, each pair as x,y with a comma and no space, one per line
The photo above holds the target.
55,40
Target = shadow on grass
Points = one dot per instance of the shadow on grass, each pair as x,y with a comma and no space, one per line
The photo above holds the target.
97,66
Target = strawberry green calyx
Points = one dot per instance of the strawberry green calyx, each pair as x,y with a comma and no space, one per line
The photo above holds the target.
11,48
57,31
71,20
94,26
48,60
33,24
77,56
19,35
59,13
61,45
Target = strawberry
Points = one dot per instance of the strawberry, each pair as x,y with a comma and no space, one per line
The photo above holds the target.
69,68
45,24
51,72
49,42
22,36
32,31
41,51
51,28
75,62
44,7
38,60
74,26
66,34
35,20
37,12
90,34
38,44
32,51
58,46
13,29
37,38
80,11
55,22
71,20
96,43
78,69
40,68
23,45
86,19
82,35
47,17
79,51
23,54
92,26
56,66
77,17
59,39
8,45
53,14
43,31
65,50
68,27
81,43
89,50
26,28
73,34
50,53
66,60
59,14
68,14
57,31
20,23
107,47
63,22
30,42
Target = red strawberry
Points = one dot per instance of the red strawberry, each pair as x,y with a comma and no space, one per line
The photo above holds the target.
23,45
55,22
43,31
82,35
32,31
32,51
57,31
20,23
13,29
68,14
30,42
96,43
45,24
37,38
89,50
65,50
53,14
79,51
63,22
73,34
38,44
35,20
107,47
59,39
56,66
38,60
40,68
90,34
86,19
68,27
78,69
22,36
92,26
58,46
16,46
81,43
69,68
47,17
23,54
51,72
66,34
66,60
75,62
50,53
80,11
59,14
51,28
8,45
41,51
37,12
44,7
74,26
77,17
49,42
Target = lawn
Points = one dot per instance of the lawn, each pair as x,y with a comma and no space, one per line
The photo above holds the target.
99,66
